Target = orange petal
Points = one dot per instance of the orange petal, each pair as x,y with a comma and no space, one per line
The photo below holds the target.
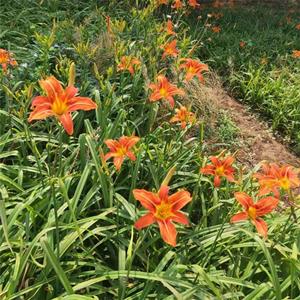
171,101
217,181
129,141
244,199
67,122
163,193
109,155
208,170
228,161
261,226
130,155
180,199
81,103
70,92
40,100
144,221
168,232
242,216
180,218
266,205
147,199
112,145
118,161
51,86
40,114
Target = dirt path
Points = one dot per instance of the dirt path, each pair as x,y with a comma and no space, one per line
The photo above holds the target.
256,141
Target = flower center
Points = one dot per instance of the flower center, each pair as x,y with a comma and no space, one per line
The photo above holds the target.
163,211
220,170
284,183
122,151
191,70
163,92
59,107
252,212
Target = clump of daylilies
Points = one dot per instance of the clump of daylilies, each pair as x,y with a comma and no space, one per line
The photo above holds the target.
183,116
273,180
6,59
128,63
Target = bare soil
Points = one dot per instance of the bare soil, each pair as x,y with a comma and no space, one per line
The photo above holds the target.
257,141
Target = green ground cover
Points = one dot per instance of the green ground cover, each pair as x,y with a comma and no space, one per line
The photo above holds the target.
263,73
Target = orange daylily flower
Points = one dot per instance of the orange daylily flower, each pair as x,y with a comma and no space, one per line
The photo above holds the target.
59,102
164,210
120,149
170,49
6,58
169,28
242,44
220,168
177,4
218,4
128,63
254,211
297,26
194,3
217,16
216,29
273,178
296,53
184,116
163,89
193,68
160,2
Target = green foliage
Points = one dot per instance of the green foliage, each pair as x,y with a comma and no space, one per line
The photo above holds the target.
66,217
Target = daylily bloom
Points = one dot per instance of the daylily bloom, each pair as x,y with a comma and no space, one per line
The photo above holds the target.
184,116
216,29
218,4
169,28
160,2
193,68
163,89
120,149
254,211
177,4
273,178
242,44
59,102
220,168
170,49
296,53
164,210
6,58
194,3
217,16
297,26
128,63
